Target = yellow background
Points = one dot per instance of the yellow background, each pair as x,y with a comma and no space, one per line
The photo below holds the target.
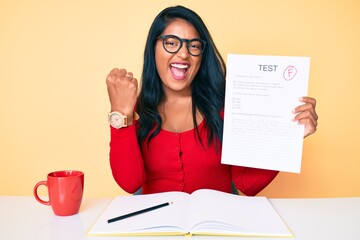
55,55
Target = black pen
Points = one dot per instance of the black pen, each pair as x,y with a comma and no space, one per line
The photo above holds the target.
139,212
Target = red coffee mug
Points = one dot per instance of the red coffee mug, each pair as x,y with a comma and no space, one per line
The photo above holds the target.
65,189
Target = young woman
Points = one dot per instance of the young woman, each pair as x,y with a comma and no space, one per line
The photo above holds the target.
175,145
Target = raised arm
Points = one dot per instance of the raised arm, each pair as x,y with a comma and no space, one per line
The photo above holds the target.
125,155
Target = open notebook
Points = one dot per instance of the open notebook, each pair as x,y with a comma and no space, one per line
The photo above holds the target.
204,212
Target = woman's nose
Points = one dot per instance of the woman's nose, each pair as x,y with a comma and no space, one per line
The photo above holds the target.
183,52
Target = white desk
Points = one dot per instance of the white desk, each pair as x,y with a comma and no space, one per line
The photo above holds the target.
313,219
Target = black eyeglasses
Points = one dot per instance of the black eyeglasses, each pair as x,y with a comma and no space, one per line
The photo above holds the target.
172,44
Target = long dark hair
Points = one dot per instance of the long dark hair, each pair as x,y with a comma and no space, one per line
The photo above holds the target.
208,86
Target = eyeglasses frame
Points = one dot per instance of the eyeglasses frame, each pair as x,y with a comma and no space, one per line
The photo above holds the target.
187,41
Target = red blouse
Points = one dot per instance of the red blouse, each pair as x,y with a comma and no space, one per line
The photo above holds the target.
178,162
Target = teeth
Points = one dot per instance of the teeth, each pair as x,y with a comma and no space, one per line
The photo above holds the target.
177,65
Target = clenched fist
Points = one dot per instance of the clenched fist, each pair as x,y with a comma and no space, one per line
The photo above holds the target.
123,91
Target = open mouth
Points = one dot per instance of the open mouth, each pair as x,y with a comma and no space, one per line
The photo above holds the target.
179,70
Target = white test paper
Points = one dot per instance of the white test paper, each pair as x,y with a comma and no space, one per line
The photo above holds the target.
261,92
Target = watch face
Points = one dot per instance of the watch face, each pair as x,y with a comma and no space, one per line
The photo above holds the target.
116,120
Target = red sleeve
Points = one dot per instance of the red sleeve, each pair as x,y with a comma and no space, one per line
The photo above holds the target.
250,181
125,159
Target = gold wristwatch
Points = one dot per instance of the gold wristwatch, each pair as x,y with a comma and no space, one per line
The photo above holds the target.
117,120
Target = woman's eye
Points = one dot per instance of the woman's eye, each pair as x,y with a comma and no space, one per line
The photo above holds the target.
172,43
196,45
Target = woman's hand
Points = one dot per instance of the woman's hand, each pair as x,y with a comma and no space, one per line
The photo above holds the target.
306,115
123,90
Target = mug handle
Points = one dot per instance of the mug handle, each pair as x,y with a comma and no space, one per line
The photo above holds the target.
36,194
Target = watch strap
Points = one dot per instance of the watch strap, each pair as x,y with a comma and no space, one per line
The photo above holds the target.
128,120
